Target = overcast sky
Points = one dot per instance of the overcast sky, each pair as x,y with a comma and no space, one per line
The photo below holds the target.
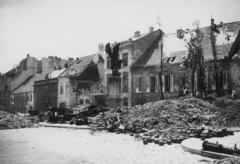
74,28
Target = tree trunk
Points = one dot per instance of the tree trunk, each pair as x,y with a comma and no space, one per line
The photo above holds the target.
193,81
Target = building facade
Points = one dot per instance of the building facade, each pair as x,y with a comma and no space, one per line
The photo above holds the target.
145,72
129,52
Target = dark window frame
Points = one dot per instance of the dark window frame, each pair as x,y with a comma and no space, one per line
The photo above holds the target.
125,59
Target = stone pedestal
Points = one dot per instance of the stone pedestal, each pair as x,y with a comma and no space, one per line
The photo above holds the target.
114,91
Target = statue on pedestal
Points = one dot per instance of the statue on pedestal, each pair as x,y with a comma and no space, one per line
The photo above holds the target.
115,62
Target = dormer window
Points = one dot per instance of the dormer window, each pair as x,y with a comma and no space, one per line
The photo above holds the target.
170,60
173,58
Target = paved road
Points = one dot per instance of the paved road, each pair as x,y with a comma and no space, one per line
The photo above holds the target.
69,146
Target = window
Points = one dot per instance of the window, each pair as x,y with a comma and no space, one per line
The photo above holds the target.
61,90
81,101
125,82
124,59
125,101
168,60
223,80
139,84
108,62
152,84
173,58
87,101
31,97
167,83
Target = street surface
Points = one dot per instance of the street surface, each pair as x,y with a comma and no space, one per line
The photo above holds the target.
70,146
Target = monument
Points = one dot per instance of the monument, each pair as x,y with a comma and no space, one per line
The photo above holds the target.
114,88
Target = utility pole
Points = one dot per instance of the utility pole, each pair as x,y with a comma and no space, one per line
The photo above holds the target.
160,52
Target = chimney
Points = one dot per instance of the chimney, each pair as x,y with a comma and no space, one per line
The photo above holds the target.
221,24
0,73
179,34
137,34
77,59
151,29
101,47
28,55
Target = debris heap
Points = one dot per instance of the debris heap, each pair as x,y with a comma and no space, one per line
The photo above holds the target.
13,121
183,117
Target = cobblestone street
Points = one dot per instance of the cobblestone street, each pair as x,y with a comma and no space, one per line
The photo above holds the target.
62,146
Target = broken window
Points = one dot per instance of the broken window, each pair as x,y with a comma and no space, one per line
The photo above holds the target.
124,59
81,101
152,84
108,62
125,82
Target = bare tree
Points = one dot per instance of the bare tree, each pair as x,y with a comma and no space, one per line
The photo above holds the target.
195,59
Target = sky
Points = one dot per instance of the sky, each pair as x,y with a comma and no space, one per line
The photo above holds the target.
74,28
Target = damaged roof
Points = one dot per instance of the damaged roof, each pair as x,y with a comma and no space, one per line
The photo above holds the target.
175,49
27,86
55,73
81,64
235,47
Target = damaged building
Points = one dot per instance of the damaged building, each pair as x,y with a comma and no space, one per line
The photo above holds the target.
146,69
70,86
129,52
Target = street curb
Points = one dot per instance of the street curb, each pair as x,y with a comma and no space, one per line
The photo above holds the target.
66,127
208,153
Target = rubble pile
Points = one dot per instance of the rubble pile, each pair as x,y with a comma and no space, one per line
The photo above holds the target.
171,119
13,121
229,111
227,161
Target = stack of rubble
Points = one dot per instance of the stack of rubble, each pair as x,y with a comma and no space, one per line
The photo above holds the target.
178,118
13,121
